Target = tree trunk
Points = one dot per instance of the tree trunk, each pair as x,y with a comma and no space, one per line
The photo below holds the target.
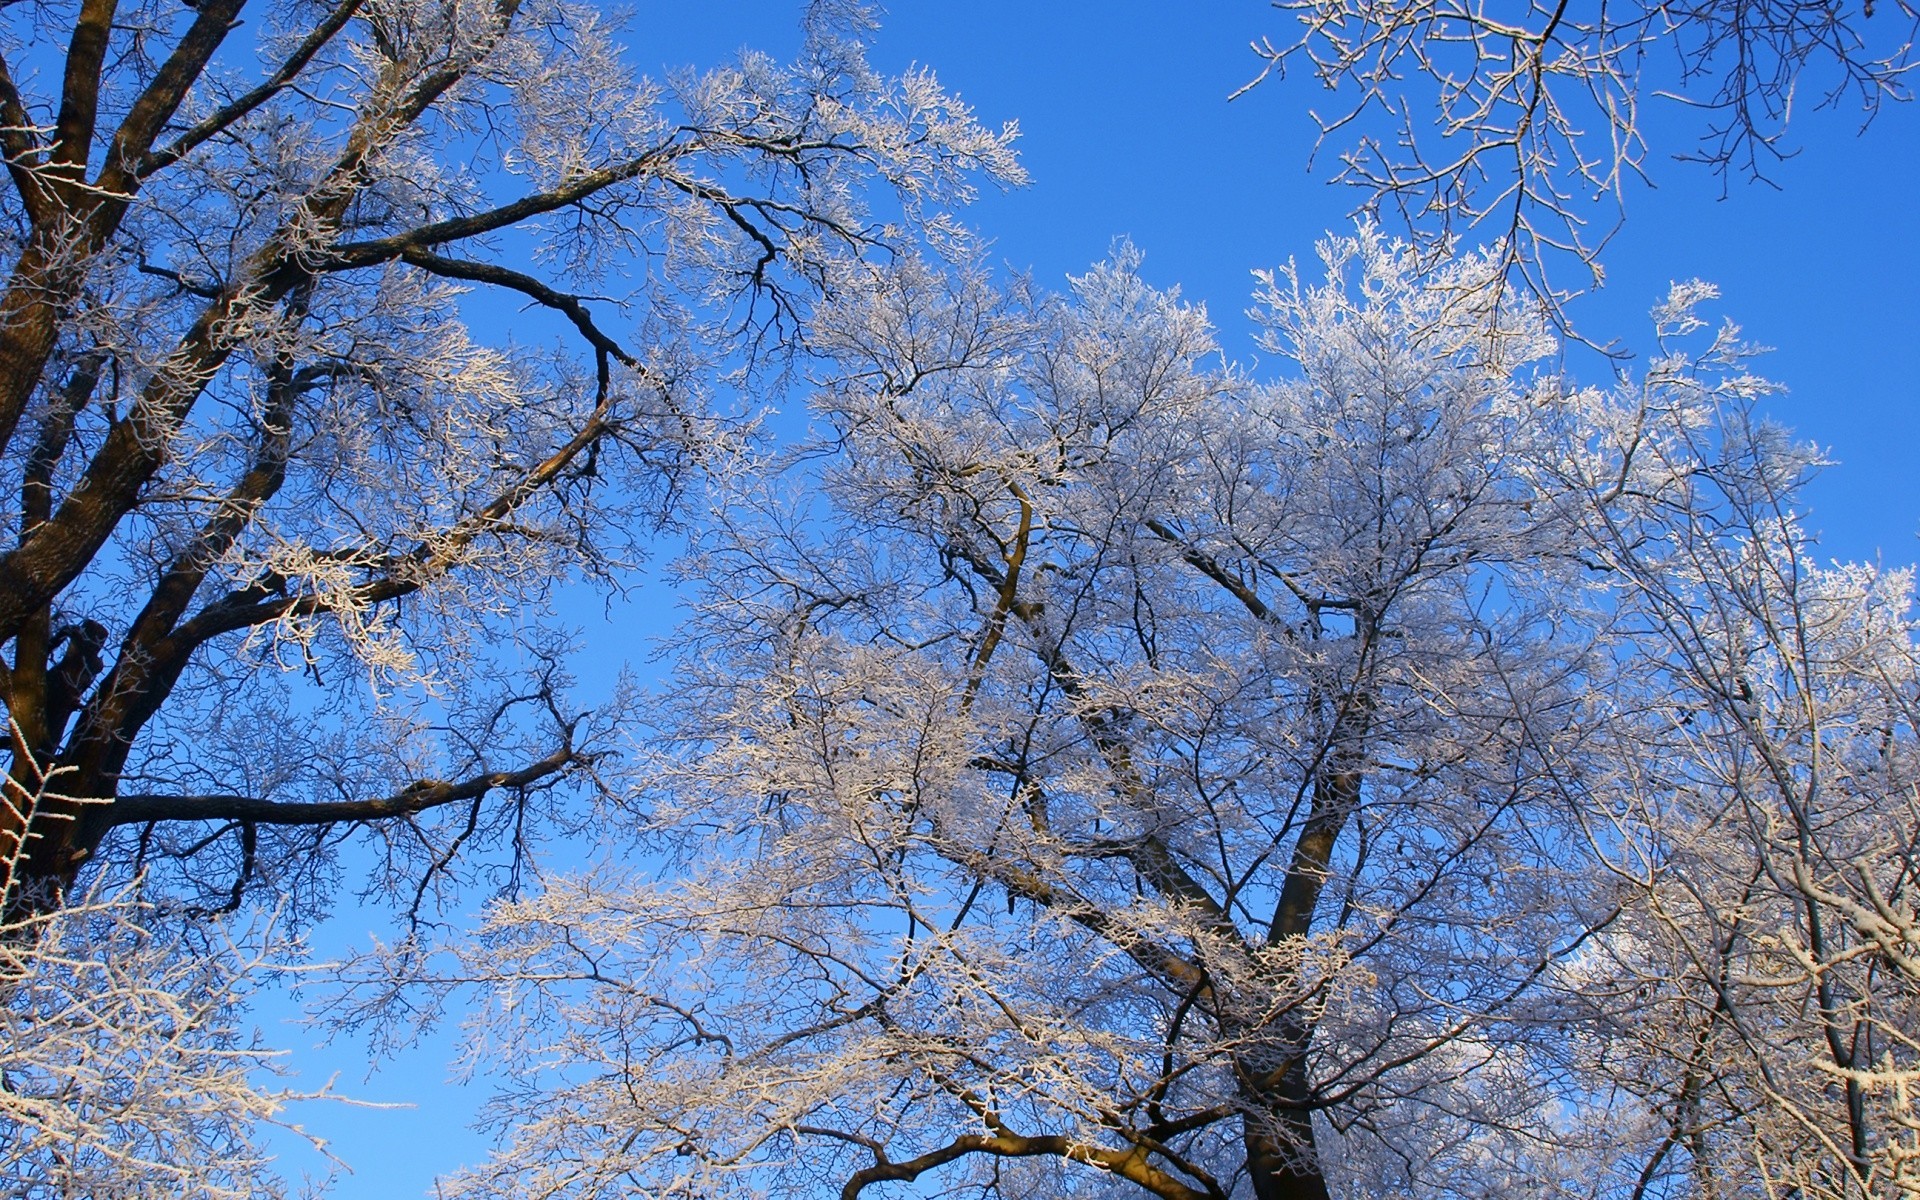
1283,1159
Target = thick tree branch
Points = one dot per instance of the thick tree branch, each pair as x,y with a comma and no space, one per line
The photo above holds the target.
1131,1165
454,229
492,273
236,109
80,89
419,798
150,660
21,145
157,103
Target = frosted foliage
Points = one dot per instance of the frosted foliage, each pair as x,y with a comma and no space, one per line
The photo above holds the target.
1094,765
343,348
1097,773
1530,120
128,1071
126,1068
1766,837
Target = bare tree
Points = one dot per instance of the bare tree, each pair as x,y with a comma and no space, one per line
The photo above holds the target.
1763,983
1525,121
1096,773
1099,774
292,490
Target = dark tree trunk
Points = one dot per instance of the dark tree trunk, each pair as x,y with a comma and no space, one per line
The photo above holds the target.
1282,1160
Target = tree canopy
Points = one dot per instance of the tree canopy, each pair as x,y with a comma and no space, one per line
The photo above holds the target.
1089,765
251,425
1098,772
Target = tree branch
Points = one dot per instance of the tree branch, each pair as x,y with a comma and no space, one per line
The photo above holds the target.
80,88
454,229
565,303
224,117
21,148
1131,1165
157,103
419,797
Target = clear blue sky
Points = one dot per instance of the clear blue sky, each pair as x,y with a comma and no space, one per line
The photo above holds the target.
1127,132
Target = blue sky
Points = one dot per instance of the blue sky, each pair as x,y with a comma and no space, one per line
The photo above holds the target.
1127,131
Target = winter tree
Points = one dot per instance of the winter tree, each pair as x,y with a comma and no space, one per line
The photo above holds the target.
1101,772
1526,121
291,502
1091,769
1096,772
1761,994
335,339
125,1066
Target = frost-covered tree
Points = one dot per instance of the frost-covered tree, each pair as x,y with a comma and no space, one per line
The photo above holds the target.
126,1069
1762,992
1095,771
1526,120
308,403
